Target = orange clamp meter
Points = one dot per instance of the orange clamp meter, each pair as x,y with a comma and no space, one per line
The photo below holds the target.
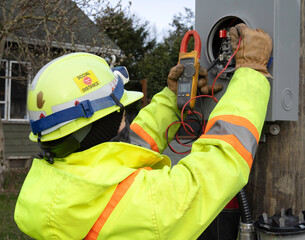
187,83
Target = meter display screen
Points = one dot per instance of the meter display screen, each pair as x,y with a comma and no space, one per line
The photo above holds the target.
184,87
187,61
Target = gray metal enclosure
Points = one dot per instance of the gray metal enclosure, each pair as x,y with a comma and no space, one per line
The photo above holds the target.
281,20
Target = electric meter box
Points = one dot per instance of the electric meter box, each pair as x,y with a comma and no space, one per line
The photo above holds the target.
281,20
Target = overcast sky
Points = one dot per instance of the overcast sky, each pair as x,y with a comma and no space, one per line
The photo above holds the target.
159,12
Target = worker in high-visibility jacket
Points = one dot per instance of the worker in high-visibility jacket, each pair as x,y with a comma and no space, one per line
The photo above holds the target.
89,184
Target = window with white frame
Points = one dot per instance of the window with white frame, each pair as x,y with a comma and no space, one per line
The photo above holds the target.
13,90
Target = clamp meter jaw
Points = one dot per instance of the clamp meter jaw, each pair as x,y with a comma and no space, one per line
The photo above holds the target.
187,83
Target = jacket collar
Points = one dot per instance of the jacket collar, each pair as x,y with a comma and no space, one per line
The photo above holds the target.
118,154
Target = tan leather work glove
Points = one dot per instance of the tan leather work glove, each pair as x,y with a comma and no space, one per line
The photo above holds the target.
173,77
203,83
255,48
175,73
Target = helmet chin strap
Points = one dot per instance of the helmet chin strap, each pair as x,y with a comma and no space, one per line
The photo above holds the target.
123,135
64,146
117,102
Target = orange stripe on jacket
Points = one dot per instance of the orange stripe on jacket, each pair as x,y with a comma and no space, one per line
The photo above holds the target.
145,136
233,141
113,202
237,120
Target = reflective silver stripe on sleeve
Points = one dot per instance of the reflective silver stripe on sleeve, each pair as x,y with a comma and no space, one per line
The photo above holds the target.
135,139
245,136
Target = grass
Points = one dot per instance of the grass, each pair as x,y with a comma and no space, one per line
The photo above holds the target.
8,197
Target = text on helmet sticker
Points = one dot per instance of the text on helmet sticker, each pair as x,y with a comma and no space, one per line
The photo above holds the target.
86,81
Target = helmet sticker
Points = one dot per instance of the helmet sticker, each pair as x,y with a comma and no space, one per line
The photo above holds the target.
40,100
86,81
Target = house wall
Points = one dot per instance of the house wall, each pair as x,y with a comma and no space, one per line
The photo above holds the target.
19,150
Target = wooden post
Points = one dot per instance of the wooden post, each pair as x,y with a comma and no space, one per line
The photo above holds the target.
277,179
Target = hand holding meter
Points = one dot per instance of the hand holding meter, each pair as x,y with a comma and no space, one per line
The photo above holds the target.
187,83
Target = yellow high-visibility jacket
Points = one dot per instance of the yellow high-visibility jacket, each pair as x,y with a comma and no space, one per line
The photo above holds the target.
63,200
